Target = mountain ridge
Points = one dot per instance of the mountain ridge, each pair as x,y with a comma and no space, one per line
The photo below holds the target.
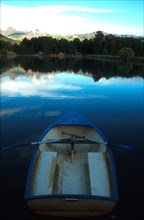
14,34
6,39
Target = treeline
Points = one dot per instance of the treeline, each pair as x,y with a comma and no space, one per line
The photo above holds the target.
97,68
101,44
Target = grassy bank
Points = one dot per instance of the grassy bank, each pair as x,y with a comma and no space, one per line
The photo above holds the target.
110,58
114,58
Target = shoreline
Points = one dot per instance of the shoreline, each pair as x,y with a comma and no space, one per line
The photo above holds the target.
81,56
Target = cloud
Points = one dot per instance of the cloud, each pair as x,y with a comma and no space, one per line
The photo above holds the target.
82,9
49,19
58,19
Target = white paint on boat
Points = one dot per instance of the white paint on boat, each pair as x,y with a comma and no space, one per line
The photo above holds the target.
86,174
99,178
44,174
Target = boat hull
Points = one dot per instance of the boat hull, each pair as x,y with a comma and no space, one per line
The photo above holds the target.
67,207
66,179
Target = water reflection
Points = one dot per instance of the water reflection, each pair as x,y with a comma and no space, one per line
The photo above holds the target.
28,94
97,68
20,83
35,92
119,80
48,85
9,112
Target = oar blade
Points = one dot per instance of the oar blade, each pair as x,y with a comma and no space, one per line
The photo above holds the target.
122,147
15,146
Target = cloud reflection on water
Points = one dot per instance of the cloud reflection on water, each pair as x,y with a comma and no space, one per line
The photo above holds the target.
18,110
11,111
47,85
118,80
59,86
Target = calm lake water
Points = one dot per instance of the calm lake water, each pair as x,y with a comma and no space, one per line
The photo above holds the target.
35,92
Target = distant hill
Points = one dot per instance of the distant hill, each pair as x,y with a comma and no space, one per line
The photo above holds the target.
19,35
13,34
6,39
6,46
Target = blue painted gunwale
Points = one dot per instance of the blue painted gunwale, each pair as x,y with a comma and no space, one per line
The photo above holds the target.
72,118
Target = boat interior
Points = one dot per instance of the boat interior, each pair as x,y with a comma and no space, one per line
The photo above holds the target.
75,166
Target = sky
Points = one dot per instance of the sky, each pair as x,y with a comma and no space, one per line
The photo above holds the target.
74,16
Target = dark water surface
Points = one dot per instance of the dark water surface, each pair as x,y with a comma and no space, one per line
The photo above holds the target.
35,92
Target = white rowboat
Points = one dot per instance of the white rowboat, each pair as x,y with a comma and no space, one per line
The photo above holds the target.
72,171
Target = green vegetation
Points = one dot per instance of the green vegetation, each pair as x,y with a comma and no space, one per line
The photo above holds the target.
5,46
126,53
100,44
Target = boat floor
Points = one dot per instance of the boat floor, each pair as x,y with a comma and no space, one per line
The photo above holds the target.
78,173
72,176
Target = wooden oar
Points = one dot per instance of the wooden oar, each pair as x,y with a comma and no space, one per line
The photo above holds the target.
64,140
116,146
15,146
74,139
